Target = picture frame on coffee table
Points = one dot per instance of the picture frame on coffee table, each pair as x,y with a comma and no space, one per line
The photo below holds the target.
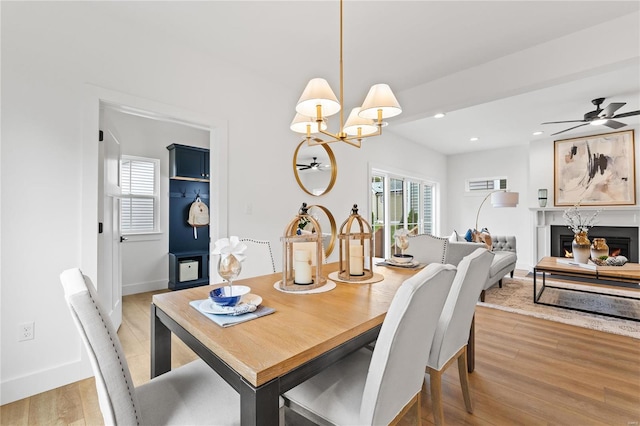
597,170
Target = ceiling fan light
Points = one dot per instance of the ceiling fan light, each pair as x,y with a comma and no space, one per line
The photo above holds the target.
599,122
380,97
300,123
355,122
318,92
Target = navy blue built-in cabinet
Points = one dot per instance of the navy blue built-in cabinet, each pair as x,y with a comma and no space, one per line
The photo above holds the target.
188,180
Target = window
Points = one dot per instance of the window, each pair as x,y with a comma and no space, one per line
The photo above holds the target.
486,184
400,202
139,178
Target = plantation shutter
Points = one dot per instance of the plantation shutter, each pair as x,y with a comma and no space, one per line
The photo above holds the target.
428,209
138,204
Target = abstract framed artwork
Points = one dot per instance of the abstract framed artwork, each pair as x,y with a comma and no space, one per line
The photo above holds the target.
596,170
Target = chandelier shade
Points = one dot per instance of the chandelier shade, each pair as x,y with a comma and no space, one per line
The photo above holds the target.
358,126
380,98
304,124
318,93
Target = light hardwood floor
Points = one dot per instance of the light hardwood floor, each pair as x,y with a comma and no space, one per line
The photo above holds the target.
529,371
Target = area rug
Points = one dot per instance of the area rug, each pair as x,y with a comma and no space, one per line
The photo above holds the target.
516,295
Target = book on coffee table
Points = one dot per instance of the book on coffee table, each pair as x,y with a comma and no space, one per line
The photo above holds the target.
572,262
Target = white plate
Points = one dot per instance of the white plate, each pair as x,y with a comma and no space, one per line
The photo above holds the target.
210,307
405,264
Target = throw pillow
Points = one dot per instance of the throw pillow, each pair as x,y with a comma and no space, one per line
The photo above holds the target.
483,237
469,235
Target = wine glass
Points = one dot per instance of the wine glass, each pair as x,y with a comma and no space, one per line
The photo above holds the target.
229,268
402,242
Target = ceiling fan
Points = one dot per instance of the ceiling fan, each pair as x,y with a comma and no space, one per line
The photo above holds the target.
599,116
314,165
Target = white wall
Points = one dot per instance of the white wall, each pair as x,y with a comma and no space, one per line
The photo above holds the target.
49,52
145,262
463,207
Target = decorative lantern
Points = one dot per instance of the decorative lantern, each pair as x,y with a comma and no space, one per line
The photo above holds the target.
356,248
301,251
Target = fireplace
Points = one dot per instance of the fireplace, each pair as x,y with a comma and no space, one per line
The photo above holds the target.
623,238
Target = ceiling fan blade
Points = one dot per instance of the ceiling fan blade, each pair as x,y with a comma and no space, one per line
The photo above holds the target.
560,122
613,124
570,128
611,108
627,114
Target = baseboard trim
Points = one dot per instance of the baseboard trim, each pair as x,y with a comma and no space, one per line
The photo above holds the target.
45,380
144,287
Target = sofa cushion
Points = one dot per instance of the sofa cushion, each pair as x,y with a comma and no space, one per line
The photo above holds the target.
502,260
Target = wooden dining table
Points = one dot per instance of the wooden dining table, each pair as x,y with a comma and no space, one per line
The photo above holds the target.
264,357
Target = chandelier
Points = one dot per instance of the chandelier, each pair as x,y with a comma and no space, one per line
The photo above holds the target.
318,102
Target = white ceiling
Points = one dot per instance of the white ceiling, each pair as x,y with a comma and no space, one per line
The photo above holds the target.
406,44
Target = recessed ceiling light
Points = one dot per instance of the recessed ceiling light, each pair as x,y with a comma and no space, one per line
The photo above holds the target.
537,133
439,115
473,139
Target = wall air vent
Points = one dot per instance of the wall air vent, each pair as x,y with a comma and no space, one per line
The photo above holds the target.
486,184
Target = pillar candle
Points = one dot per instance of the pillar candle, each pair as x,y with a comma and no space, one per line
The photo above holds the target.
355,260
309,246
302,267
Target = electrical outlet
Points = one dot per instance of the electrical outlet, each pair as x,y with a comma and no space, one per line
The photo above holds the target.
26,331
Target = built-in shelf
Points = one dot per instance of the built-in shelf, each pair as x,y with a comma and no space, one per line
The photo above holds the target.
188,251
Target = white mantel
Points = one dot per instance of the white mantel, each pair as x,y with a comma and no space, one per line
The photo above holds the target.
543,217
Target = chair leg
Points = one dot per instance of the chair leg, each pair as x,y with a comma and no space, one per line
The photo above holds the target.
500,283
436,395
511,273
464,379
482,293
415,401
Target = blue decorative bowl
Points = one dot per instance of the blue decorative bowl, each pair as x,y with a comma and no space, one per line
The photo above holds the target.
228,295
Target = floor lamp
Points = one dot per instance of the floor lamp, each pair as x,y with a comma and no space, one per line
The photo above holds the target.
499,198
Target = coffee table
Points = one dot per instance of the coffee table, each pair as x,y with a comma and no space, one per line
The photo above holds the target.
605,275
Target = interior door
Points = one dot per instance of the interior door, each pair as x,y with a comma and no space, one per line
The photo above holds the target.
110,269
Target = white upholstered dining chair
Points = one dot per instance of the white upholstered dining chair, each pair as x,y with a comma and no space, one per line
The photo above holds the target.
452,334
376,387
426,248
189,395
259,259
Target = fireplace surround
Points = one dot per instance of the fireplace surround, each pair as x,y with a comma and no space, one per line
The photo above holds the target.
626,218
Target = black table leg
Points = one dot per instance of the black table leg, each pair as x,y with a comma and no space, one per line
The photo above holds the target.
160,345
260,406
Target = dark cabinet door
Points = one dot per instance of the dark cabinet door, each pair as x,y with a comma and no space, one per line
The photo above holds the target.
189,162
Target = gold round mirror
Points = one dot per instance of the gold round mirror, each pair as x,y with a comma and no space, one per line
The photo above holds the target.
327,224
315,168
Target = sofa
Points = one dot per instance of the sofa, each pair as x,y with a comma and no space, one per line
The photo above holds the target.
429,249
504,260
